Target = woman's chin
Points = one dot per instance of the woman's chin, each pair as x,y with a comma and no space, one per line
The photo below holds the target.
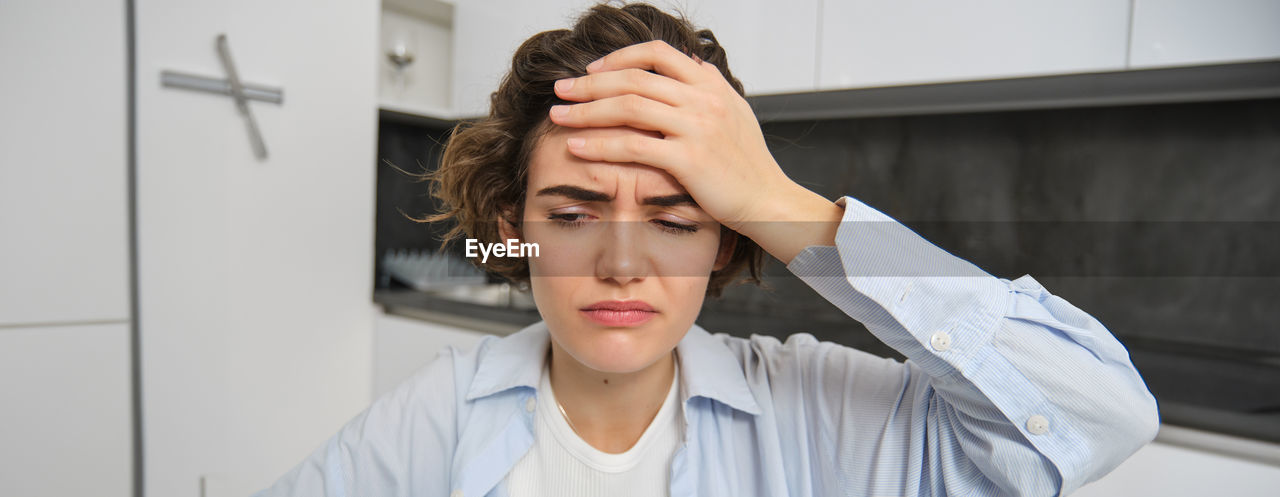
619,351
617,357
616,367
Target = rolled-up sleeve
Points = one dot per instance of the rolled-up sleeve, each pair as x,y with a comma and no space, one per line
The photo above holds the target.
1007,389
401,446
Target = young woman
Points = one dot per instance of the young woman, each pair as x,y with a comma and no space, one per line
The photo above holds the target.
624,149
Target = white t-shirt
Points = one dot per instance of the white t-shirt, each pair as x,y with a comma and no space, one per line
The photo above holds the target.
562,464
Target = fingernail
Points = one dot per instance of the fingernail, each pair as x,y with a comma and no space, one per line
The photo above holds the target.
577,142
559,110
595,65
565,84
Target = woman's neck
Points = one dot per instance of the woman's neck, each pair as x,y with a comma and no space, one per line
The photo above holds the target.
610,411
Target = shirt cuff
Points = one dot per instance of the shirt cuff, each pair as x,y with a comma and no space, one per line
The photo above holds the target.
935,308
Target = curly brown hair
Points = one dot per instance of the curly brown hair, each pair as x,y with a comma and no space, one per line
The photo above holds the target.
483,173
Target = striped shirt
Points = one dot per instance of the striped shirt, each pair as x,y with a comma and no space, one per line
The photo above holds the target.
1007,390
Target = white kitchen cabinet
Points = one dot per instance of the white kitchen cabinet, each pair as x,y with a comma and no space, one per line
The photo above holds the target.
821,45
867,43
422,29
1189,32
404,345
254,275
771,45
65,389
65,411
486,36
63,182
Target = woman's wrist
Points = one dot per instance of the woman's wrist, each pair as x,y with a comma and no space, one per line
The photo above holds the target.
794,220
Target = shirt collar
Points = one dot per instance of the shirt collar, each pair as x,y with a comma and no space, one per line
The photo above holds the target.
707,367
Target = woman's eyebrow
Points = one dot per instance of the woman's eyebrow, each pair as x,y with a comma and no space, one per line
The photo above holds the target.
671,200
575,193
585,195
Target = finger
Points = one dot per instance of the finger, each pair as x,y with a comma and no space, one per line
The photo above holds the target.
630,147
624,81
713,73
654,55
710,69
623,110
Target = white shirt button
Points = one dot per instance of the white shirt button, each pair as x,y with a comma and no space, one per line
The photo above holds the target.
1038,425
456,493
940,341
529,405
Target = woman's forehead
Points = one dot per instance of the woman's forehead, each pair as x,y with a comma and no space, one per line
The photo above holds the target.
551,164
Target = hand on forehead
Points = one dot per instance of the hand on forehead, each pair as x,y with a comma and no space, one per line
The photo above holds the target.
551,164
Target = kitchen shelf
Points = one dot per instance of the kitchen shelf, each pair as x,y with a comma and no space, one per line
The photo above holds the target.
417,115
1238,81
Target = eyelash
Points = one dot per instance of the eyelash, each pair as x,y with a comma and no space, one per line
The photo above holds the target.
668,226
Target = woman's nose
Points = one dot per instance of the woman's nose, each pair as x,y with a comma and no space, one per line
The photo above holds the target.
623,255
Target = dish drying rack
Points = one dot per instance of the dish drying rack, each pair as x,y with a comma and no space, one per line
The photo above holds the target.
430,270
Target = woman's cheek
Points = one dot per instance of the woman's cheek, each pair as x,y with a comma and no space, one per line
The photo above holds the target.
691,255
561,252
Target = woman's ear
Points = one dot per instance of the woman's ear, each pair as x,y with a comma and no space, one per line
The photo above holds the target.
508,226
728,242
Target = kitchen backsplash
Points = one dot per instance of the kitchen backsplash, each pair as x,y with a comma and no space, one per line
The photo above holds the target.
1058,194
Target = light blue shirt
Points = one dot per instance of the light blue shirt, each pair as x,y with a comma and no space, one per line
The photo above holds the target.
1007,390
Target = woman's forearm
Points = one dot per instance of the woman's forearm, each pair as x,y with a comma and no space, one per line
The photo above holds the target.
792,220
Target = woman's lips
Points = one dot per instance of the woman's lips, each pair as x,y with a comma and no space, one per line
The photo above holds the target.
618,313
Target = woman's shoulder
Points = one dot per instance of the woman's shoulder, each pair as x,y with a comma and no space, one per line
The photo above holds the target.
770,345
797,351
765,356
801,370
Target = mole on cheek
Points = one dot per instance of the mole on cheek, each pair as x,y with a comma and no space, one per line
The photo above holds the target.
606,382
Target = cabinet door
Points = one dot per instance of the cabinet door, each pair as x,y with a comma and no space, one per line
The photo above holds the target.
65,411
772,46
254,275
63,180
875,43
1183,32
421,86
487,33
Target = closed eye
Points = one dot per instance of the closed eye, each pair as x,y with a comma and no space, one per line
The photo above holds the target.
676,228
574,219
569,220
